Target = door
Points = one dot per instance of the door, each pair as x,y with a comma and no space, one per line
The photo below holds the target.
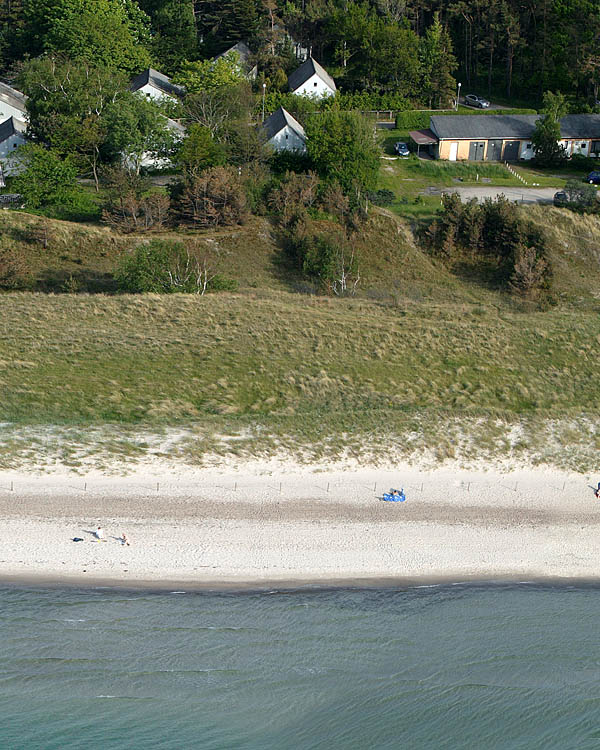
453,151
476,150
511,150
494,152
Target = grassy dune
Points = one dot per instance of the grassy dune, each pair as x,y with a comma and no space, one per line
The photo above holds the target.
287,370
422,364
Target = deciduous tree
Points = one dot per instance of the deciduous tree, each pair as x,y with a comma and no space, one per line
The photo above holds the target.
47,178
546,136
342,147
213,198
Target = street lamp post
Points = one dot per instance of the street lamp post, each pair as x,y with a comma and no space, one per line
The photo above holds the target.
458,96
263,107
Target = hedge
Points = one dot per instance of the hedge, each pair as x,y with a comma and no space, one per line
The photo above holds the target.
362,101
419,119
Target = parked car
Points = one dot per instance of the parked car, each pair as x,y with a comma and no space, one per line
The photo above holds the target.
476,101
560,199
401,148
593,178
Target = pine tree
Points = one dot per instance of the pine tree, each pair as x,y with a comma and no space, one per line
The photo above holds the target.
227,22
175,37
437,65
12,24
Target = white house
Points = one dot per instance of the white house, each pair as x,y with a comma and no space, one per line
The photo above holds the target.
284,133
300,52
155,85
12,135
150,159
244,55
312,80
12,103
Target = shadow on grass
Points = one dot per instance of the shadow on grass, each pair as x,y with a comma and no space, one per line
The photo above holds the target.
85,280
285,268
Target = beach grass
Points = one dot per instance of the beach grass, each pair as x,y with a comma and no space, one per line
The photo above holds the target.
246,373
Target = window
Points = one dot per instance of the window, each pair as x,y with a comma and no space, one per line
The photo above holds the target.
315,84
528,146
583,144
286,136
595,147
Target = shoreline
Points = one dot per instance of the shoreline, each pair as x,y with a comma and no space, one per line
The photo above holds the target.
285,586
257,530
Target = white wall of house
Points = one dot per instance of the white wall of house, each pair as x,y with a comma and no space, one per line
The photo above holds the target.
576,146
527,151
151,92
314,87
150,160
11,164
288,140
7,111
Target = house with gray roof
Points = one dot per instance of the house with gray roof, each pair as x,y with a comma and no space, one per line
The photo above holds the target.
284,132
580,134
13,133
155,85
312,80
243,53
12,103
151,160
506,137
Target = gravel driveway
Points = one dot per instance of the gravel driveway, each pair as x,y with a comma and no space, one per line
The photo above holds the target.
522,195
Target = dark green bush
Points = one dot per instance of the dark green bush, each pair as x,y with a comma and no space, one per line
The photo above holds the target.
494,235
290,161
165,267
381,197
362,101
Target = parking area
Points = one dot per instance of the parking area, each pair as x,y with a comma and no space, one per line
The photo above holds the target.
521,195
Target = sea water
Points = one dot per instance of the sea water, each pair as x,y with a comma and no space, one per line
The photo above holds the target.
464,666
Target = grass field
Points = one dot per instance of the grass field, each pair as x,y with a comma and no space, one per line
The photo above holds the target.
315,376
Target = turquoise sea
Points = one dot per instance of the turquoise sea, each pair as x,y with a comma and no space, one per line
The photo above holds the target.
463,666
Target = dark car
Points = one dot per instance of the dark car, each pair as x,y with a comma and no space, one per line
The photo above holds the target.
593,178
560,199
476,101
401,148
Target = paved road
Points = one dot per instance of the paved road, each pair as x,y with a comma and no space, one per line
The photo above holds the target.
522,195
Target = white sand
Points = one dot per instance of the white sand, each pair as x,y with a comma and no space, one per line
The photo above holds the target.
199,529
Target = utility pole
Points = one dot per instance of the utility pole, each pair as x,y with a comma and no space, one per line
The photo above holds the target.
263,106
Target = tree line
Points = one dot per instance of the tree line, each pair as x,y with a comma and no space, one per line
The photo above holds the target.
410,48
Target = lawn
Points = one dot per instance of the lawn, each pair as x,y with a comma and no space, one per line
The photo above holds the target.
410,178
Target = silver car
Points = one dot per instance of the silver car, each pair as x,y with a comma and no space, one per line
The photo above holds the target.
476,101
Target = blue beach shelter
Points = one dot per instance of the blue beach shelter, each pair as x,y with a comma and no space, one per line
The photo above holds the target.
393,496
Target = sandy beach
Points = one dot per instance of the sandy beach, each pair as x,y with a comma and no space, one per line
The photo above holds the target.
284,525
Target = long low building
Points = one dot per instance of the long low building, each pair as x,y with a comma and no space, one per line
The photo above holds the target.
504,137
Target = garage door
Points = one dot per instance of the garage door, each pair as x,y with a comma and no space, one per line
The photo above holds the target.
476,150
511,150
494,152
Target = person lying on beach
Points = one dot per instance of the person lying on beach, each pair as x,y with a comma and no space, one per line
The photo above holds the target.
124,540
99,533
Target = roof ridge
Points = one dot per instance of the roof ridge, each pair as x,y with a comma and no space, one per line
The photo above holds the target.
302,74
